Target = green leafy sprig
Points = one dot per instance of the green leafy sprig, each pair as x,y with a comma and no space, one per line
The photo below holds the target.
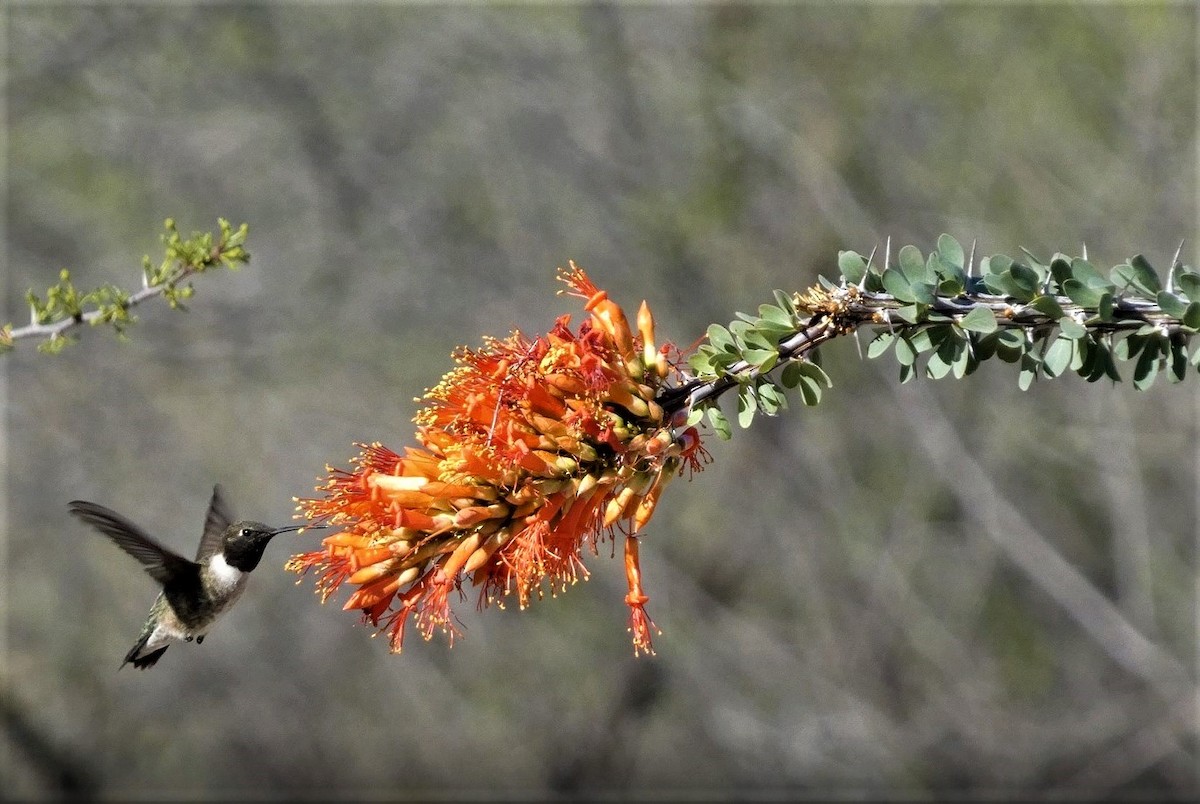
65,306
941,314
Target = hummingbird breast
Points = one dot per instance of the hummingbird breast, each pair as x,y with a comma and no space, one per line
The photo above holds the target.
223,583
196,604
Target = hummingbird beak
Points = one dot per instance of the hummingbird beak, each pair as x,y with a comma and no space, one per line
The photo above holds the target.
297,528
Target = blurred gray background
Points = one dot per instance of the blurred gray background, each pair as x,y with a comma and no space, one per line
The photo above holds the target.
941,589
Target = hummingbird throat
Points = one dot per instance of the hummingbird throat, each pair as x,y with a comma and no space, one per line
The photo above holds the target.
224,576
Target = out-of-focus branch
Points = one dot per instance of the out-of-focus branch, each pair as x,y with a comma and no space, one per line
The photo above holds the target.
66,307
61,770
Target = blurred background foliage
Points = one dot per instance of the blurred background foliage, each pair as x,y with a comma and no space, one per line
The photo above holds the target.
943,588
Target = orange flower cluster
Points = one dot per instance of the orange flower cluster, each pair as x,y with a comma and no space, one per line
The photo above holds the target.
531,449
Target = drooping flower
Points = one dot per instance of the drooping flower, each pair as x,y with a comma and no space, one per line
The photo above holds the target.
531,451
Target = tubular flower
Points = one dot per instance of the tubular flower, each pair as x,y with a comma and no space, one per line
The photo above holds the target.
531,450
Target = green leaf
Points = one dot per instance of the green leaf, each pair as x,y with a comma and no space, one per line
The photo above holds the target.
1090,367
996,264
810,391
905,353
923,292
1029,369
946,273
1178,360
776,316
912,263
1110,368
1047,306
997,284
762,359
951,251
879,345
701,364
757,338
1146,368
937,367
1127,348
1137,276
898,285
1025,280
965,361
921,340
747,406
1147,276
814,372
952,287
720,337
1010,345
720,424
1037,266
1105,307
1018,281
738,329
1086,273
1189,284
1191,316
1058,357
790,376
1070,328
770,399
852,266
980,320
1081,294
1172,305
948,353
1060,269
985,347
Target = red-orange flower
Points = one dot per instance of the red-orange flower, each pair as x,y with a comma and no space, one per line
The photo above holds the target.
531,450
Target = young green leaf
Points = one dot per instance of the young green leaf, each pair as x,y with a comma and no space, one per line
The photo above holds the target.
719,423
980,320
1058,357
852,266
951,251
898,285
912,263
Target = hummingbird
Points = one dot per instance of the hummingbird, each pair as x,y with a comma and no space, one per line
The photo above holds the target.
194,593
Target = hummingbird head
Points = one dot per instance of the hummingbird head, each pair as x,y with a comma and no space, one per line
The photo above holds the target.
244,542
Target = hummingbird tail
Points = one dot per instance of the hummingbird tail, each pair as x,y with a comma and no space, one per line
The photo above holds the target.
142,662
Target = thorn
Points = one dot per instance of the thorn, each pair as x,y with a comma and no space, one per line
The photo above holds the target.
862,283
1174,265
971,259
887,253
858,344
1085,252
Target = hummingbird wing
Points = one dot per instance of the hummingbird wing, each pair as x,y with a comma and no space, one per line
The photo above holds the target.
218,519
162,564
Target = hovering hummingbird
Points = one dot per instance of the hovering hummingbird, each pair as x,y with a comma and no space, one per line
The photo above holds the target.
194,593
